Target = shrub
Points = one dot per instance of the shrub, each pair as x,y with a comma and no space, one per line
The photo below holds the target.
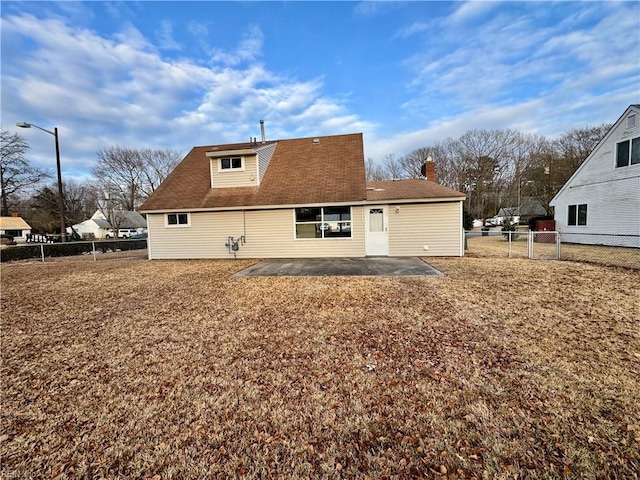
508,226
467,218
19,253
68,249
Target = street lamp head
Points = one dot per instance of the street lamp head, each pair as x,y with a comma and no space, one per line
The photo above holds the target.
23,125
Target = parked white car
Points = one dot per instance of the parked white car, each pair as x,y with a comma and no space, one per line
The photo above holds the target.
122,233
496,221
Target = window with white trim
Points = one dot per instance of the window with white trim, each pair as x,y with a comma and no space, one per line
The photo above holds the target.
628,153
323,222
577,214
177,220
231,163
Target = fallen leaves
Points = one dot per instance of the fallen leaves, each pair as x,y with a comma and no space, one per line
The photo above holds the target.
213,376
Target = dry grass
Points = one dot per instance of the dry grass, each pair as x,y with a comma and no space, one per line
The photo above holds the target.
496,245
505,368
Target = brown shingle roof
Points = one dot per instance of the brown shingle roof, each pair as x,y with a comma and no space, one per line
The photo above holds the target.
301,171
414,188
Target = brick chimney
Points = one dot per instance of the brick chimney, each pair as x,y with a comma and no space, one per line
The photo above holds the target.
15,214
429,170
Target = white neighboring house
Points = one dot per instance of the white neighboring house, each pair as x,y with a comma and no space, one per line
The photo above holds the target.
92,228
16,227
98,226
600,203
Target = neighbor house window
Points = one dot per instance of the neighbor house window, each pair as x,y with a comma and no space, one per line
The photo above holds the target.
177,219
323,222
628,153
231,163
577,214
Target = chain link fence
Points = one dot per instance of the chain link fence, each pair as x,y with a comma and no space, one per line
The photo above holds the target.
612,250
94,250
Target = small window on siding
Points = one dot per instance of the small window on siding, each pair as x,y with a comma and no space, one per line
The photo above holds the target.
577,214
231,163
631,121
582,214
635,151
571,217
177,219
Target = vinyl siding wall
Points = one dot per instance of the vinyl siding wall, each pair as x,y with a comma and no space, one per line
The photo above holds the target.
612,194
264,157
436,225
268,233
235,178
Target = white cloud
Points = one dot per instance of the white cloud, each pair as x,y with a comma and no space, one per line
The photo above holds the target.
121,91
471,10
249,49
522,53
165,37
414,28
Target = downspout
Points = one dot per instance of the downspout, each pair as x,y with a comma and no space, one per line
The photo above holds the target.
462,232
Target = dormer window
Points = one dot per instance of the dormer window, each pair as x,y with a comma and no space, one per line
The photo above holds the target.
231,163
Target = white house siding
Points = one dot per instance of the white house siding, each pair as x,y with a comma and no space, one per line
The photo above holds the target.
246,177
90,227
435,225
268,234
612,195
613,214
264,157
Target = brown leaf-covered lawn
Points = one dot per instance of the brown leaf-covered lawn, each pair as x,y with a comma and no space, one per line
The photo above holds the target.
504,368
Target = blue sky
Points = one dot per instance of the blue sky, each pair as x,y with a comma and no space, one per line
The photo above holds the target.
406,74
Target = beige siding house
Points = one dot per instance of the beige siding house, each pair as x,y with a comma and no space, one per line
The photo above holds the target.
304,197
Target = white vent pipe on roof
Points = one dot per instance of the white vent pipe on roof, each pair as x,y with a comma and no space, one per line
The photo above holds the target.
262,129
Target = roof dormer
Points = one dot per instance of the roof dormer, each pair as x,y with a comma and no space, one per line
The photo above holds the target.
233,168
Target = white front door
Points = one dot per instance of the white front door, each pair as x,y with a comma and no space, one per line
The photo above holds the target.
377,237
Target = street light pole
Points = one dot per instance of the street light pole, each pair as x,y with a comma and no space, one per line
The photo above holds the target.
63,230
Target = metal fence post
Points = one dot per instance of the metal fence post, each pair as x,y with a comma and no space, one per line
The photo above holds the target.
558,245
530,245
42,251
93,244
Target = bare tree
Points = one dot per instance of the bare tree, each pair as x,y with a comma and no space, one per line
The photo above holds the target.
16,174
81,201
553,162
497,168
574,146
43,210
391,166
129,175
158,164
373,171
411,164
119,172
